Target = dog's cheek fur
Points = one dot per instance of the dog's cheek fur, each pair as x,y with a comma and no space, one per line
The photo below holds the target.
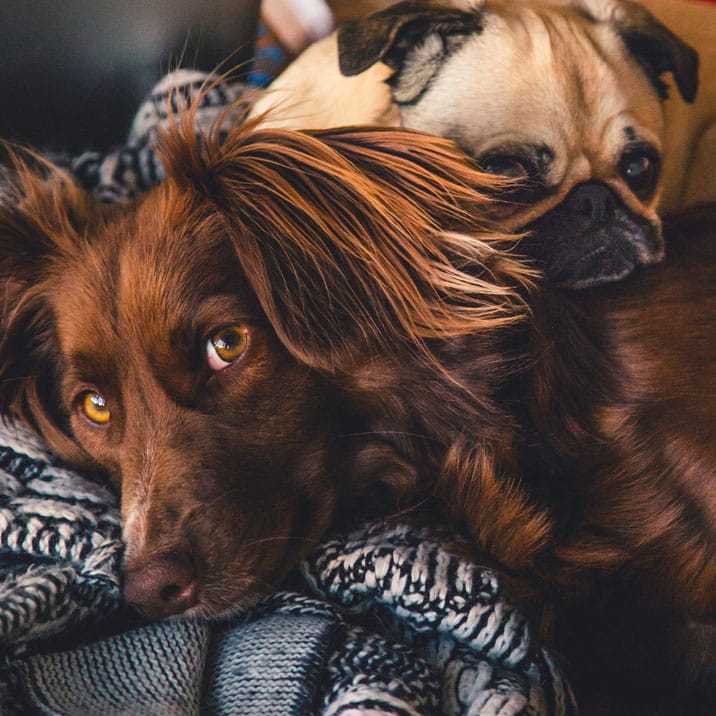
32,365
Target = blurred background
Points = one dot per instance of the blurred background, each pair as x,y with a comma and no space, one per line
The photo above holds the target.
74,72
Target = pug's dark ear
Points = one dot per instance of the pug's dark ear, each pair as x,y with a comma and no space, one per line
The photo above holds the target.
417,33
658,50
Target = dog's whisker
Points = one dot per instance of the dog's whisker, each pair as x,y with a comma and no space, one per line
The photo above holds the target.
384,433
413,508
282,538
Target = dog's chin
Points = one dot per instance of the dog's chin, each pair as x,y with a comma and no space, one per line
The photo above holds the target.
610,262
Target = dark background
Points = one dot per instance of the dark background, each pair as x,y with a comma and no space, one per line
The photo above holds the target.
73,72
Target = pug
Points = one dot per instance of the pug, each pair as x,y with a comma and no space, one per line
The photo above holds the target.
564,97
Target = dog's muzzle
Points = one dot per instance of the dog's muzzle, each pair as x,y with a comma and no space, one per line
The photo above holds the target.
591,238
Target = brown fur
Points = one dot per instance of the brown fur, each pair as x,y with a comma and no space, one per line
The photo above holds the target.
638,419
389,355
334,249
622,399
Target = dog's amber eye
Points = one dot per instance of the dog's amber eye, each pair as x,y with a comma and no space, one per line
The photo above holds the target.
640,171
95,407
226,346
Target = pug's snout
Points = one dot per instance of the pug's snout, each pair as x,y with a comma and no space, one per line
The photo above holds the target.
592,203
163,586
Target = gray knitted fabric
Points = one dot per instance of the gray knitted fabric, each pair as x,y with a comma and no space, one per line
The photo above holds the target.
126,172
388,623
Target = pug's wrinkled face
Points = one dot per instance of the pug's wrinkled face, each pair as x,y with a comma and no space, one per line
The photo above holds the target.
563,97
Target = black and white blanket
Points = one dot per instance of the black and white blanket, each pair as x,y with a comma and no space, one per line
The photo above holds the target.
384,621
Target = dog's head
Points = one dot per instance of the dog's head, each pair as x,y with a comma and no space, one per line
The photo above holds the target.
193,346
563,95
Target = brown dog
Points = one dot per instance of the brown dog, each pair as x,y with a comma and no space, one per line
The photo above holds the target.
201,347
293,323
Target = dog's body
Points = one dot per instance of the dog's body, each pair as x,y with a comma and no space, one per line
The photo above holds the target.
634,472
290,325
562,95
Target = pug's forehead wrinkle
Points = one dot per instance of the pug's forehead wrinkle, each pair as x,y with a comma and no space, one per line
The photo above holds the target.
495,90
622,130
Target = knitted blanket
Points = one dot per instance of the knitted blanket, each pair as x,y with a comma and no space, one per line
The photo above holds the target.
381,620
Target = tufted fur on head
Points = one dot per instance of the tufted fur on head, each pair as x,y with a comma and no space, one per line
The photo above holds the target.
383,234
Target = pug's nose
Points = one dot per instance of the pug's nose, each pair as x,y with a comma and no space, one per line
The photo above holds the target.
163,586
593,203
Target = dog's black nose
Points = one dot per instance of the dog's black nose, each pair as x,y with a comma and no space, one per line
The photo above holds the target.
163,586
592,203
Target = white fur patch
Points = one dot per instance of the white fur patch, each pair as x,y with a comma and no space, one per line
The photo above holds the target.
135,508
421,64
134,530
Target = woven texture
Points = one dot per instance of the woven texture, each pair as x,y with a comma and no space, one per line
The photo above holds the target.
388,623
392,624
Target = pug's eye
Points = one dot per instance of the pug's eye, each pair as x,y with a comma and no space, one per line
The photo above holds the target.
95,408
509,167
226,346
640,170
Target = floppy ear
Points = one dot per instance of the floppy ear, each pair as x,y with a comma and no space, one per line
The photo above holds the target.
29,353
657,49
38,213
40,210
412,37
347,236
24,248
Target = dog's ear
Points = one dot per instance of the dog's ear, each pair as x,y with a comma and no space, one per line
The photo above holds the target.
24,254
413,38
348,237
659,50
655,47
40,211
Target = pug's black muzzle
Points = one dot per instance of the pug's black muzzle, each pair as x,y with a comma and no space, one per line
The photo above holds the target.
591,238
